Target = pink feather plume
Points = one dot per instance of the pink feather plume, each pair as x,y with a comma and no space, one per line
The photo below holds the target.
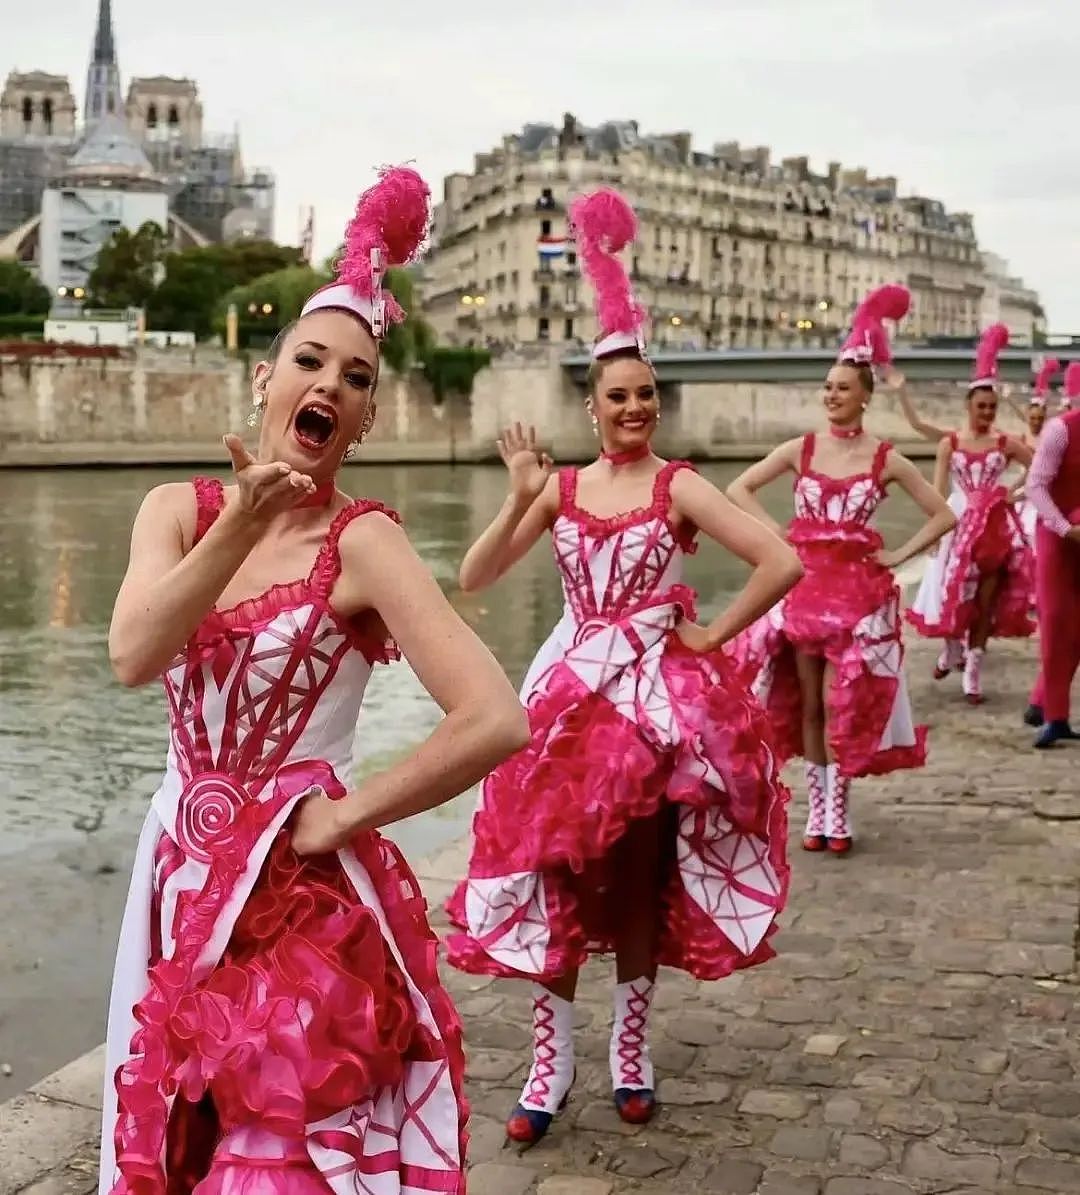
992,341
392,217
604,224
1072,380
867,327
1042,379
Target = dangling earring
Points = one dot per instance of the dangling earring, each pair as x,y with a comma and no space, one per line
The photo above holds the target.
365,427
593,419
258,400
865,405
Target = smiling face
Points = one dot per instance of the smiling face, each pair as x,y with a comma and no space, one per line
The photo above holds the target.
982,409
845,395
626,403
318,392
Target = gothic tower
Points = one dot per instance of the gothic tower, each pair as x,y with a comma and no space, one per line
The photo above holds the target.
103,78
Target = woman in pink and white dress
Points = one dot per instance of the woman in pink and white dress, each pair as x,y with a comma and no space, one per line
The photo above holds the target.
827,662
987,574
645,816
277,1024
1034,415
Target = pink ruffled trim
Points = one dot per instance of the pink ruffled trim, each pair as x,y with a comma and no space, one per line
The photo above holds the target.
989,530
599,526
588,773
842,587
253,614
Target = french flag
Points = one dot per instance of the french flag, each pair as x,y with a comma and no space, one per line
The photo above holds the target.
551,246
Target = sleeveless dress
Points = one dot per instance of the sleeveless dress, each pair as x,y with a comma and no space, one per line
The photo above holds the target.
277,1024
989,538
846,608
627,723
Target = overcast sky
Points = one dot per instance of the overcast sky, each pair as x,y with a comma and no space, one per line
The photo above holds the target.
976,103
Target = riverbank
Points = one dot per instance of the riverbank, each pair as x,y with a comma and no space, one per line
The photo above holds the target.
918,1033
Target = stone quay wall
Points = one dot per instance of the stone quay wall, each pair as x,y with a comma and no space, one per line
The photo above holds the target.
162,408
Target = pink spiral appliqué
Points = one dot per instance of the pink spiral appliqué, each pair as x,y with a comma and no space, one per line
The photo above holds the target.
208,808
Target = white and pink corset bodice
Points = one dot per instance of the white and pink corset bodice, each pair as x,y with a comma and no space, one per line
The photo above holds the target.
613,565
970,471
263,700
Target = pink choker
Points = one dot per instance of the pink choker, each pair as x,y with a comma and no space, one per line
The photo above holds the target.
628,457
845,433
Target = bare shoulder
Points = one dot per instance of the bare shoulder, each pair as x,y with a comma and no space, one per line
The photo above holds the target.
172,504
373,531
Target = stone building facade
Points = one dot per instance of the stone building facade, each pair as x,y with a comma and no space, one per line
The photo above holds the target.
733,250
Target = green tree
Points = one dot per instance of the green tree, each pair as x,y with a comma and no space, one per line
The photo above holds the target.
283,291
197,280
451,369
127,268
20,292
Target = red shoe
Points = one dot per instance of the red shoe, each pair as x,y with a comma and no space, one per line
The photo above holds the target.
635,1107
527,1126
840,846
814,842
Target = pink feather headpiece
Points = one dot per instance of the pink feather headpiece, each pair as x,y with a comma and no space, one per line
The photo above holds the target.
985,373
604,224
1070,390
1042,381
868,342
388,228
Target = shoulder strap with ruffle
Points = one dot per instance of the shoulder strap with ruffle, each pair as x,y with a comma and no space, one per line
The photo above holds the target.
807,453
880,457
328,562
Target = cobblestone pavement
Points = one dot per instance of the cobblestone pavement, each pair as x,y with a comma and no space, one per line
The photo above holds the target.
918,1033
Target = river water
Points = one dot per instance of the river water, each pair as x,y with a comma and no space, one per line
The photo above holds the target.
80,755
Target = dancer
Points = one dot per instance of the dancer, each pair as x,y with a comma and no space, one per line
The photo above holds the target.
1053,489
277,1024
828,660
1034,415
987,572
645,816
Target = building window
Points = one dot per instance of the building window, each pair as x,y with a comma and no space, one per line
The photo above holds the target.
151,116
110,104
571,258
28,110
545,228
543,329
568,330
47,113
174,116
545,296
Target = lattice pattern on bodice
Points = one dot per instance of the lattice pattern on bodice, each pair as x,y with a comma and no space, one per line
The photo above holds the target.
849,500
971,471
611,565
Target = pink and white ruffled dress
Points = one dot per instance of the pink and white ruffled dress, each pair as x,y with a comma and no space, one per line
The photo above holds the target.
845,609
627,723
989,538
277,1024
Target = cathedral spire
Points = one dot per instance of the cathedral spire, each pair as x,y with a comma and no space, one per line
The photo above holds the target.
103,78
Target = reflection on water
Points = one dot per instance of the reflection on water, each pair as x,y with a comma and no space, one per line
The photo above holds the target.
80,753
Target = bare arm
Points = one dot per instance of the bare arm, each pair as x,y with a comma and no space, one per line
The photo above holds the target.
742,491
513,531
1017,450
775,564
940,519
484,720
941,466
165,594
527,513
896,382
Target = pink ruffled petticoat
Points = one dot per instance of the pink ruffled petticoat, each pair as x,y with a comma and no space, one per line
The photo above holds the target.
989,539
657,730
845,609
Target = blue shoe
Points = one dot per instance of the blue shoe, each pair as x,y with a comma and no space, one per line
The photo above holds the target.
1053,733
527,1126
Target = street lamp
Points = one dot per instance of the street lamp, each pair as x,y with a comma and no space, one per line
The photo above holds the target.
823,305
676,321
267,308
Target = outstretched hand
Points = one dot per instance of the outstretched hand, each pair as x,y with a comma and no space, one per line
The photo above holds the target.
529,467
893,379
266,489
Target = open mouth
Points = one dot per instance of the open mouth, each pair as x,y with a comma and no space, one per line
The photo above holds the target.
314,425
